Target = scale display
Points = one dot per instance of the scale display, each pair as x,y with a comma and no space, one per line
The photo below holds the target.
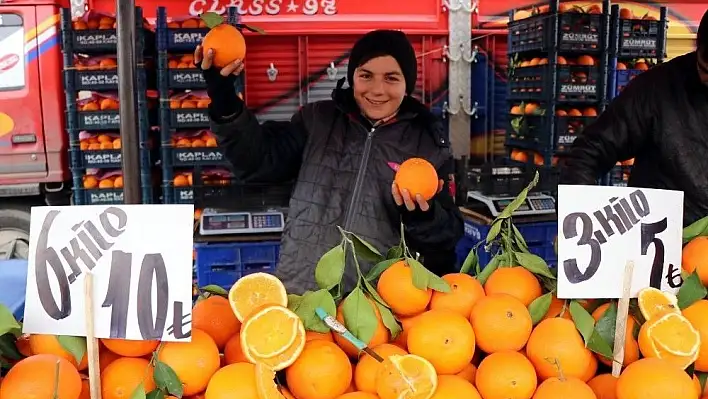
241,223
535,204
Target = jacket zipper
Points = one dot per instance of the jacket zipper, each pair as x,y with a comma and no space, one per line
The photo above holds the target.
359,182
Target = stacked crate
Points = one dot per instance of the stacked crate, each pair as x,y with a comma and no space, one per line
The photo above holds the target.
93,120
189,151
556,80
638,43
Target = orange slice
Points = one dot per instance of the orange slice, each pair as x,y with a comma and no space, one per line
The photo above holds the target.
254,291
265,383
281,360
406,377
672,338
270,331
654,303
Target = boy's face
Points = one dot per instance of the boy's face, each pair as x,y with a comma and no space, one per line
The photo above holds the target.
379,87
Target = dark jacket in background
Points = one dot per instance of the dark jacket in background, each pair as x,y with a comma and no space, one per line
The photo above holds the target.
660,120
322,147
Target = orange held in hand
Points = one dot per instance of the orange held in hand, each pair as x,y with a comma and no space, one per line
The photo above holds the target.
418,176
226,41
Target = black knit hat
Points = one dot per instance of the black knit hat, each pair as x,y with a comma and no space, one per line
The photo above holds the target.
702,35
380,43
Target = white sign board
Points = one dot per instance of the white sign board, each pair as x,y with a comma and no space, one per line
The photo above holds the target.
600,228
141,259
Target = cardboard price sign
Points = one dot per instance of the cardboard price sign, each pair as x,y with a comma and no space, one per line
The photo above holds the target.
140,257
601,228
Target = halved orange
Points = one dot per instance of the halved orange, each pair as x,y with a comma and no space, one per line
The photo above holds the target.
252,335
406,377
254,291
265,383
670,337
654,303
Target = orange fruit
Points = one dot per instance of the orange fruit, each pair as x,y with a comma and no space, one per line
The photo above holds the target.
506,375
269,332
44,344
265,383
358,395
589,112
395,286
666,381
641,66
574,112
313,335
571,387
558,338
227,43
418,176
530,108
236,380
118,182
254,291
654,303
35,376
697,315
585,60
558,308
90,182
322,371
23,345
381,335
465,290
515,281
285,359
406,325
105,183
129,348
214,316
367,368
106,357
671,338
693,258
453,387
194,362
233,352
516,110
444,338
604,386
122,377
501,323
399,375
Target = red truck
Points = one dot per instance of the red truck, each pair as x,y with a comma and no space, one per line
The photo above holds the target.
298,61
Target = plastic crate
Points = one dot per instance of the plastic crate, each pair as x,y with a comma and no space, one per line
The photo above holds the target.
189,118
510,177
567,129
186,157
99,120
182,79
574,83
639,37
109,196
233,196
96,80
106,159
539,237
533,132
622,78
223,264
576,32
619,176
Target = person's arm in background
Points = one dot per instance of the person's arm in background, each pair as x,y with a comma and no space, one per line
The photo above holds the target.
434,233
618,134
267,153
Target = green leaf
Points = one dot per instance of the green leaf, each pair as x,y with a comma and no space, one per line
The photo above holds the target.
359,316
696,229
519,239
516,124
489,269
424,278
8,347
74,345
212,19
702,379
215,290
167,380
691,291
494,231
330,268
395,252
138,392
606,326
156,394
294,301
371,291
539,307
8,322
380,267
516,203
471,261
583,320
389,320
311,301
534,263
599,345
365,250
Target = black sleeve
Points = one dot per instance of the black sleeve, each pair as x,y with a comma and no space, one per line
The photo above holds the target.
434,234
618,134
265,153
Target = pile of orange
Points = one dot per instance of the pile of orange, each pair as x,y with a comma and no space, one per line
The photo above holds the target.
108,63
101,23
93,182
191,23
103,104
189,102
100,142
524,156
185,179
181,62
206,139
584,60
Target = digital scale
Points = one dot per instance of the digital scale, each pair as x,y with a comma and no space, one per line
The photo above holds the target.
228,223
535,204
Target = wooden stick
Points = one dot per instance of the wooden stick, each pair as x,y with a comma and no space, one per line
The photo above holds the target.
621,321
91,341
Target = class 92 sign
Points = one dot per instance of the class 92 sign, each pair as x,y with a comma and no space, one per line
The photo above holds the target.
141,260
601,228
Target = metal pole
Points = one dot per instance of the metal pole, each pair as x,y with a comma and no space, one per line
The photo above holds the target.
130,146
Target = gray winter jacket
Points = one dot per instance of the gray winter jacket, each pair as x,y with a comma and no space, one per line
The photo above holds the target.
344,168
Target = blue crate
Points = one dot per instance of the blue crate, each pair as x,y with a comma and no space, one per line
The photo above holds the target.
224,263
539,237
